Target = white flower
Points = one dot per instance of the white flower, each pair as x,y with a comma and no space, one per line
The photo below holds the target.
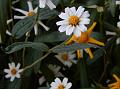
66,58
13,71
60,85
31,12
74,21
117,2
43,3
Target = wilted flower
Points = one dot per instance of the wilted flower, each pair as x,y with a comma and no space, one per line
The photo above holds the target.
85,38
74,21
31,12
60,85
13,71
66,58
115,85
43,3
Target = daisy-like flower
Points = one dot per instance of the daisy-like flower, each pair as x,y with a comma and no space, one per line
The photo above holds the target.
43,3
115,85
31,12
60,85
66,58
85,38
74,21
13,71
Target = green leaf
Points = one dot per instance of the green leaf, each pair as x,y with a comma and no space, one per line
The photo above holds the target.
3,19
19,45
112,6
15,84
73,47
52,37
46,13
43,88
23,26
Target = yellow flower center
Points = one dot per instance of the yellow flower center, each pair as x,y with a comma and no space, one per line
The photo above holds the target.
73,20
65,57
83,38
61,87
31,13
13,71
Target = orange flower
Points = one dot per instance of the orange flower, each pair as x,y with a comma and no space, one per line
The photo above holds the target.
85,38
115,85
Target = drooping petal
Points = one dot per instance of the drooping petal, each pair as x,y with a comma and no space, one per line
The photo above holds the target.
19,17
21,11
77,32
30,5
42,3
50,4
44,26
36,29
82,27
12,78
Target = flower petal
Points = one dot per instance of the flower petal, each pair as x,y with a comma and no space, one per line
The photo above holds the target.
6,70
77,32
82,27
80,11
64,82
50,4
63,22
69,85
12,78
85,14
17,75
7,76
57,81
63,16
19,17
62,28
68,11
69,30
36,29
84,21
18,66
21,11
42,3
30,5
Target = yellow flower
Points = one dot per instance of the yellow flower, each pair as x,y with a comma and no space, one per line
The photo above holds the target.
85,38
115,85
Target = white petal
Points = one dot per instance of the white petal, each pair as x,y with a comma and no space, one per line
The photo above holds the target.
35,10
53,84
68,85
42,80
18,75
13,65
118,24
14,2
63,16
21,70
12,78
44,26
7,76
18,66
73,10
68,11
57,81
42,3
63,22
30,5
6,70
9,21
36,29
80,11
21,11
64,82
62,28
10,65
50,4
84,21
77,32
19,17
8,33
69,30
85,14
83,28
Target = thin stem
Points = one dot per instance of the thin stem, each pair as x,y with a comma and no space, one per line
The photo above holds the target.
23,53
40,59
